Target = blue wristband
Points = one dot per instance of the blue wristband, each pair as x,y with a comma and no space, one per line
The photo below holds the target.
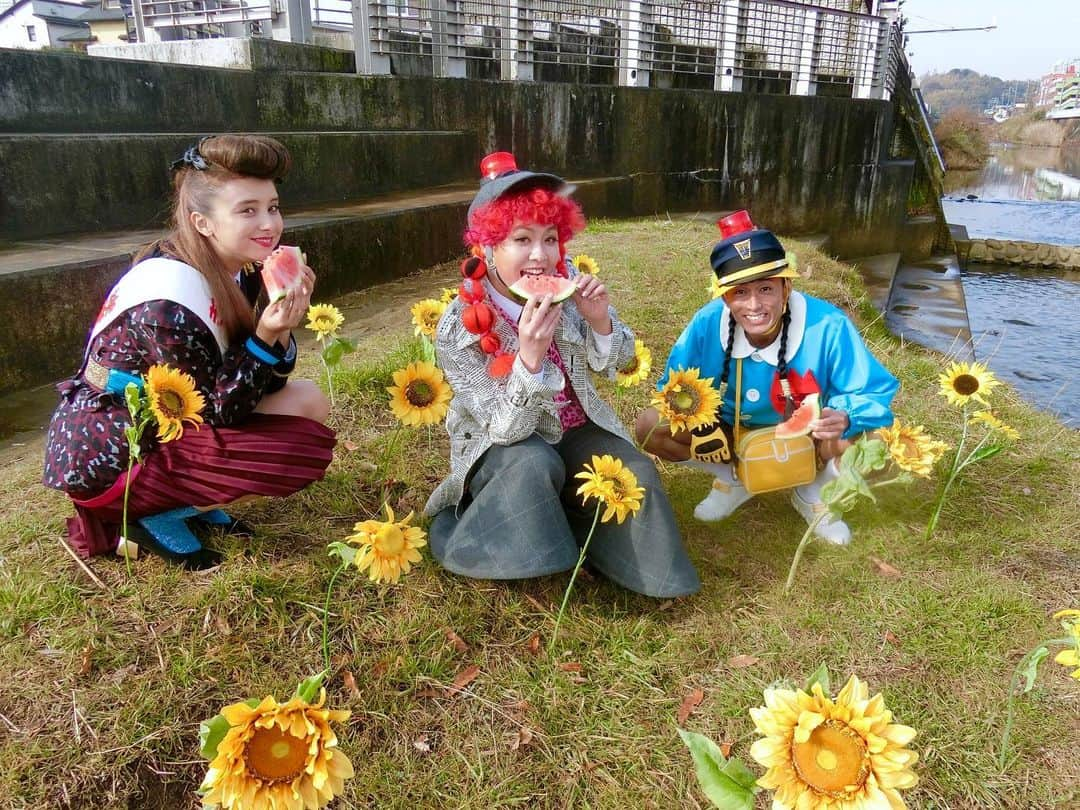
257,351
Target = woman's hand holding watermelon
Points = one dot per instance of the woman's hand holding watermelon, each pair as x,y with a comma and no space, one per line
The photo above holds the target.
536,330
282,316
592,302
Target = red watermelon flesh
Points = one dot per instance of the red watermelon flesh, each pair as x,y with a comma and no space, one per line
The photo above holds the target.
799,423
528,287
283,270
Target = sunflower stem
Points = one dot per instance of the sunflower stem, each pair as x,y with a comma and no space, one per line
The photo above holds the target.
954,470
1010,714
326,616
801,547
124,517
329,373
573,579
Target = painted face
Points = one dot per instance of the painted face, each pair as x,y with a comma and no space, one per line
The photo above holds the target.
528,250
244,223
758,307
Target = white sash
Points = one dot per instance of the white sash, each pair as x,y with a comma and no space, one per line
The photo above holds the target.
159,279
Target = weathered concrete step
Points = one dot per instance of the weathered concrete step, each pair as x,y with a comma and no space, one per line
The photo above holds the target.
50,289
878,273
927,306
70,183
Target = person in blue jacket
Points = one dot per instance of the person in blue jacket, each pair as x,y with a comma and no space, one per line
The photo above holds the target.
790,345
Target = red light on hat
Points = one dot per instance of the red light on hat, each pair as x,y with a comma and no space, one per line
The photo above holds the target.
736,223
497,163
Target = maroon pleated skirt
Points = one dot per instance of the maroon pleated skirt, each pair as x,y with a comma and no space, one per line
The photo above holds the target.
269,455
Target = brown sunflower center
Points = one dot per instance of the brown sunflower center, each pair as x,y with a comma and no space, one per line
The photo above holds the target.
390,540
966,384
419,393
833,761
171,403
632,366
684,401
275,756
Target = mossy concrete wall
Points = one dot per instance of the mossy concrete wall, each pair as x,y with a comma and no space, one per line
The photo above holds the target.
234,53
799,163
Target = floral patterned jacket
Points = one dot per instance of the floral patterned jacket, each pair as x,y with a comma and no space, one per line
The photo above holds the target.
86,450
487,411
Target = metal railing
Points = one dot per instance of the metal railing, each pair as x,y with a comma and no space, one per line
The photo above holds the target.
827,47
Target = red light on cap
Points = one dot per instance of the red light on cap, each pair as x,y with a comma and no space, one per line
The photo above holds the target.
736,223
491,166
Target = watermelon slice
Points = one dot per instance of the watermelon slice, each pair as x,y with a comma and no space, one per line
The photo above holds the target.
799,423
282,271
528,287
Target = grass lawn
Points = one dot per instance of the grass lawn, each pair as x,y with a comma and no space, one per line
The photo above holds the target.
102,686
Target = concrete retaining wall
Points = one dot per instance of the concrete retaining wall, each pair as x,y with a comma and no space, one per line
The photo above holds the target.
234,53
801,164
1025,254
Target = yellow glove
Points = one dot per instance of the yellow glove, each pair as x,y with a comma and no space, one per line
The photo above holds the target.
710,444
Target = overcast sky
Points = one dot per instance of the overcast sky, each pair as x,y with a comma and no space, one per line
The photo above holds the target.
1031,36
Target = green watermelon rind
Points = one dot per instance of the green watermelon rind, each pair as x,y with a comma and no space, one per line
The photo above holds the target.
810,407
519,289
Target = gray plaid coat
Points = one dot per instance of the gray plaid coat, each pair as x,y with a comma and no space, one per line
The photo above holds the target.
487,411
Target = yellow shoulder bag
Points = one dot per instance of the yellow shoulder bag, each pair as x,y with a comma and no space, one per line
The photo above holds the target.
765,463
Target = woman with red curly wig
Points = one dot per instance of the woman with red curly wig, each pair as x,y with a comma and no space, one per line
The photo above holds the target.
525,417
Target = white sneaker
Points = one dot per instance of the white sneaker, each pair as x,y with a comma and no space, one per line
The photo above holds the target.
723,499
831,529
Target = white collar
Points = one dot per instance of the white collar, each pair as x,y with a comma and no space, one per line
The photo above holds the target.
771,353
508,305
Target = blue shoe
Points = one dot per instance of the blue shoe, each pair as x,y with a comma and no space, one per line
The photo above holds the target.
221,518
167,535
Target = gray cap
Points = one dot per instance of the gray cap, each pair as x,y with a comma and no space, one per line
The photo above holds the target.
493,187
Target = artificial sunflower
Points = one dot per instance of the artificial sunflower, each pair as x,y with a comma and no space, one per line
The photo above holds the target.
992,422
586,264
832,755
686,402
324,320
448,294
963,382
388,548
419,395
637,370
1070,657
425,316
173,401
277,755
614,485
911,449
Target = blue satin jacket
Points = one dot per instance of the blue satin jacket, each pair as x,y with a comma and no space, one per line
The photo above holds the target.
825,354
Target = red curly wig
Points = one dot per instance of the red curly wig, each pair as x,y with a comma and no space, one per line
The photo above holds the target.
492,224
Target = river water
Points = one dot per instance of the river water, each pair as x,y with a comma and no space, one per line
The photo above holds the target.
1025,322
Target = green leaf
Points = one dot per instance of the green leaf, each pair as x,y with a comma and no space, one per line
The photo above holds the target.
988,451
333,352
427,349
211,733
346,552
347,346
821,676
133,398
723,781
742,776
308,690
1032,668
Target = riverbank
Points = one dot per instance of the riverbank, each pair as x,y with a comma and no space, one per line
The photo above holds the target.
102,688
1034,129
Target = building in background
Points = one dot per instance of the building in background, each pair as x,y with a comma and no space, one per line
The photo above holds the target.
37,24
